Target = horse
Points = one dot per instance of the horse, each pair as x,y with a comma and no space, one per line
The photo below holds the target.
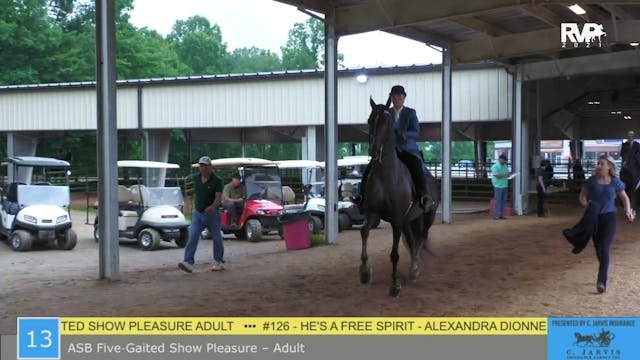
586,339
630,175
389,195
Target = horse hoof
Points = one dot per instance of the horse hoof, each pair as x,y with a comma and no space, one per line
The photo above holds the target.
414,275
366,276
394,292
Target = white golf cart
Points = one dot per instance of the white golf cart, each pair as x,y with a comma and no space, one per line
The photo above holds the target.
150,214
35,210
314,202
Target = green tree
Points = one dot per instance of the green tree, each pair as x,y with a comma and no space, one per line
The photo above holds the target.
250,60
199,45
305,46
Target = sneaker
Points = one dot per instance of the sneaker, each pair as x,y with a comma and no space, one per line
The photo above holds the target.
502,218
601,288
185,266
217,266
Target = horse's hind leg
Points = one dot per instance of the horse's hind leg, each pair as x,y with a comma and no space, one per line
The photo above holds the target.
365,269
395,282
413,234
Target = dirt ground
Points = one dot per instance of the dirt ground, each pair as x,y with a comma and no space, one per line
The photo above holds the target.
516,267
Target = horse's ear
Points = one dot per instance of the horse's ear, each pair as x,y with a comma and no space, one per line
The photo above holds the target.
371,102
388,101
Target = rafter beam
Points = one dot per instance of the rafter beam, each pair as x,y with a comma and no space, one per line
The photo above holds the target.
538,42
417,35
617,11
615,61
479,25
543,14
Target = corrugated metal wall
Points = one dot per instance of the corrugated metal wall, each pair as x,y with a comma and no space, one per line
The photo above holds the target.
478,95
62,109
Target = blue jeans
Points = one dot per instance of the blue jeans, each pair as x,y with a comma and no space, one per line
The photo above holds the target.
499,199
602,240
198,223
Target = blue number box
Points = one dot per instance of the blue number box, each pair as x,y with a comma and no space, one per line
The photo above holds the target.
38,338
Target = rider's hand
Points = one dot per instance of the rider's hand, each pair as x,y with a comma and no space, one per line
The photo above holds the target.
208,210
630,214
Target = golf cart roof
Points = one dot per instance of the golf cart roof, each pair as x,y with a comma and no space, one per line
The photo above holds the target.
299,164
354,160
37,161
238,162
143,164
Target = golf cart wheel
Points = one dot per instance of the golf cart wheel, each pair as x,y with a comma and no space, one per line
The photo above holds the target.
315,225
344,222
21,240
68,240
253,230
183,239
149,239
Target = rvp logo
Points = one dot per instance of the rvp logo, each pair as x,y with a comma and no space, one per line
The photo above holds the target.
569,33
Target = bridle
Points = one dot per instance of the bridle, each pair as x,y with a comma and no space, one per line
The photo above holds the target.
381,112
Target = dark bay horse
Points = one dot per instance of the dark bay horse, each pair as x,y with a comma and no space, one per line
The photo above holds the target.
389,194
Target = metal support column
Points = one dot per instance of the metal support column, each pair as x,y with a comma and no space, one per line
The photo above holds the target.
446,136
331,126
109,261
517,164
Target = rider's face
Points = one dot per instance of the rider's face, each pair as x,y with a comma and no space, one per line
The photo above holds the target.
603,167
398,100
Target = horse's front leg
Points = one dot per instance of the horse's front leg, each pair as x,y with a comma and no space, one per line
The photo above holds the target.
395,282
365,269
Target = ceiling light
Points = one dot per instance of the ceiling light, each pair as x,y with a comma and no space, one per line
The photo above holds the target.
577,9
361,78
634,44
593,102
627,117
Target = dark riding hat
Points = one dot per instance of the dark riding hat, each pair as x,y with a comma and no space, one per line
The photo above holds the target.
397,90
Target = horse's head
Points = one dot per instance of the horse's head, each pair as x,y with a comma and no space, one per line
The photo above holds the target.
380,127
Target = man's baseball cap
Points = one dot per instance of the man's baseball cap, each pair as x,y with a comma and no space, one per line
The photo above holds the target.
397,90
205,160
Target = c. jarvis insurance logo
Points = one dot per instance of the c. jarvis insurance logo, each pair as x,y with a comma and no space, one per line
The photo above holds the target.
594,346
602,340
590,35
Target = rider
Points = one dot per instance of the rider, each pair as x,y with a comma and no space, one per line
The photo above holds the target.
407,129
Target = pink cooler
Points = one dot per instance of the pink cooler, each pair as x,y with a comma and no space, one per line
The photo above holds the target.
508,211
295,229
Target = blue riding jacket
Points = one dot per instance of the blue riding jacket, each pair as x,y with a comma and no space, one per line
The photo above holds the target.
407,129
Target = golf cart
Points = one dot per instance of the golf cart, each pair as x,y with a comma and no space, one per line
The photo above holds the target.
263,204
35,210
313,190
150,214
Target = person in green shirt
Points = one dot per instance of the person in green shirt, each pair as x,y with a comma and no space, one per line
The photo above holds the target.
500,182
208,195
233,196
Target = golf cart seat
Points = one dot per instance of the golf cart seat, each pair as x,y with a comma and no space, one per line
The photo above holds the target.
137,191
125,197
10,201
288,196
346,191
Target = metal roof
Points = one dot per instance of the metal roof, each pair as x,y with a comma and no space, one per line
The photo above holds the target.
289,74
37,161
507,31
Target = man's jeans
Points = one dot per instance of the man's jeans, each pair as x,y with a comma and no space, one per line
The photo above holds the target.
198,223
499,200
